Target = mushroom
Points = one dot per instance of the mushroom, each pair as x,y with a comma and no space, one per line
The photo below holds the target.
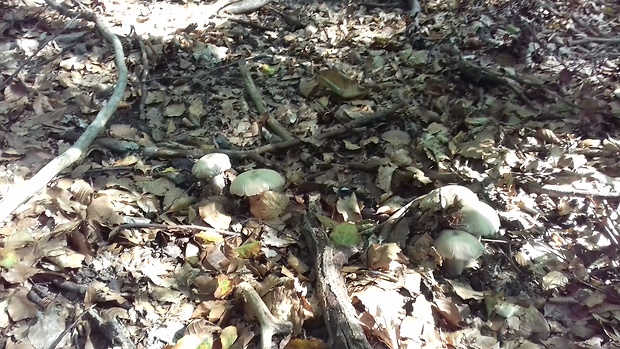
447,196
263,187
458,249
479,219
257,181
210,168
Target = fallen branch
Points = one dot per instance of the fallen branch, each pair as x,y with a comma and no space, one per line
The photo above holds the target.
594,40
273,124
566,190
167,227
19,194
272,147
145,72
269,324
343,326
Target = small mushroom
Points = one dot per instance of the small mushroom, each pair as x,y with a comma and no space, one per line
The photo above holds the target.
458,249
479,219
257,181
210,168
263,187
447,196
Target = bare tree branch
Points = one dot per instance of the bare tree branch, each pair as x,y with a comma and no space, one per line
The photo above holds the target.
19,194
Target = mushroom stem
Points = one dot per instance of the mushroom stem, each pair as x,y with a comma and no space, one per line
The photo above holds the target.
454,267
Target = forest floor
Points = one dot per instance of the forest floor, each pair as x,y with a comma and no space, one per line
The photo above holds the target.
364,109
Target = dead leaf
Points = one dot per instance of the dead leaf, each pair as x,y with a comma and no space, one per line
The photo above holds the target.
101,211
268,205
385,257
173,110
341,85
449,311
349,208
214,213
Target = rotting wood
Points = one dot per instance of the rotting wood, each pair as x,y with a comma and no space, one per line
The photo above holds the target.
344,329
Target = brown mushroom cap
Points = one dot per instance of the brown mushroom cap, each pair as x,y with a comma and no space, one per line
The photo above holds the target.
257,181
458,248
479,220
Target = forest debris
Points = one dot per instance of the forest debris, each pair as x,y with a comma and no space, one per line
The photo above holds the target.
21,193
269,324
344,328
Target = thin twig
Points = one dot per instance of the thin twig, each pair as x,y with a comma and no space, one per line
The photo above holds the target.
173,227
145,72
71,327
273,124
272,147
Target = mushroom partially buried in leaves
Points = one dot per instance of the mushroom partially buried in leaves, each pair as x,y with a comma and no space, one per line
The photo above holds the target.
479,219
263,187
457,248
210,168
447,196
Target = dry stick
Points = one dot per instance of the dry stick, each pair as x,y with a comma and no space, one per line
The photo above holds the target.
273,124
145,72
19,194
588,40
386,227
172,227
75,322
338,131
269,324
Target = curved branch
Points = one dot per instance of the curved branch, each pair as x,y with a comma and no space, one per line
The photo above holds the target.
19,194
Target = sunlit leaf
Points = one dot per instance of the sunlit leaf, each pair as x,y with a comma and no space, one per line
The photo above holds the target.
8,258
228,336
345,234
224,287
251,250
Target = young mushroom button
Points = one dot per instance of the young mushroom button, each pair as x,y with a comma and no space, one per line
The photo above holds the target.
210,168
458,248
257,181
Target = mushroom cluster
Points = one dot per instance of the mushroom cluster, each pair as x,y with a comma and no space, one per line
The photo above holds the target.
473,220
263,187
